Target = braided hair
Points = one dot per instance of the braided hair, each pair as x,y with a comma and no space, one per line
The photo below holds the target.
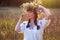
36,15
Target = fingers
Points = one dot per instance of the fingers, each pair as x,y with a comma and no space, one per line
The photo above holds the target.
23,16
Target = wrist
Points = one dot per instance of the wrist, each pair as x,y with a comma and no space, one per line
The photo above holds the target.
20,20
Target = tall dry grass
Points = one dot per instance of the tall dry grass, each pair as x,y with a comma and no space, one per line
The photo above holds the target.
10,16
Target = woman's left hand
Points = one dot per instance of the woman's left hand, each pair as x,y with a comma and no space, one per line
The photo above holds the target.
40,9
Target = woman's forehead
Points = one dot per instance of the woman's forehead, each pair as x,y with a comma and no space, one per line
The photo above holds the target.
30,12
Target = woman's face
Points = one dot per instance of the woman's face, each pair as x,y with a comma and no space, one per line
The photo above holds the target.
30,15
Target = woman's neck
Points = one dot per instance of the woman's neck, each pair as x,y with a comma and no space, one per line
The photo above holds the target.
32,21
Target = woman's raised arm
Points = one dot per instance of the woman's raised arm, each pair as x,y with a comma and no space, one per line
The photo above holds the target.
17,27
46,21
46,12
20,23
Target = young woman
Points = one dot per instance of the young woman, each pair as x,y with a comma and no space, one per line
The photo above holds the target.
33,29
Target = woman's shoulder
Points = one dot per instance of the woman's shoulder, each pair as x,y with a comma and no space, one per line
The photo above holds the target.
39,21
25,22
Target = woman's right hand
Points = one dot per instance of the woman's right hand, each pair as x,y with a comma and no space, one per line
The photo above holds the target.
23,16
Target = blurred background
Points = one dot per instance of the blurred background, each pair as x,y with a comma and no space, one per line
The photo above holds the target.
10,14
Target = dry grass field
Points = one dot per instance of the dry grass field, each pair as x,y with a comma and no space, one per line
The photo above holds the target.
10,16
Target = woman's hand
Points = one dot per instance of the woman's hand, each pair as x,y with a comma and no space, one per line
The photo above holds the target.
40,9
45,11
23,16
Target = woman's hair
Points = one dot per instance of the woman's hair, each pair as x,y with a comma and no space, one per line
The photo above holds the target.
36,16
